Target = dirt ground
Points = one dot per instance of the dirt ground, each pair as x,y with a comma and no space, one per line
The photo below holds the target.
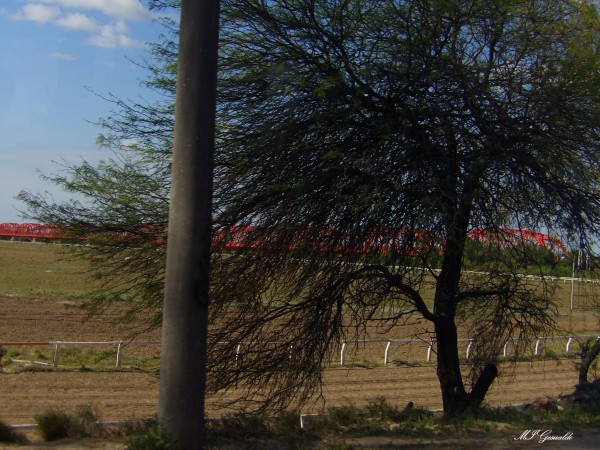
128,395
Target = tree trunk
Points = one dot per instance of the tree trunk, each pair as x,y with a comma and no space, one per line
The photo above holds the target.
485,380
454,396
185,314
587,358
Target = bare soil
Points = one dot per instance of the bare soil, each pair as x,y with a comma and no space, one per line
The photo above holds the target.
130,395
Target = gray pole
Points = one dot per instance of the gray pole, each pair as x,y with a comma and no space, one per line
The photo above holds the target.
185,314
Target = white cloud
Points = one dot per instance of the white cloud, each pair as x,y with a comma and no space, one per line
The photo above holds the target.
112,36
63,56
36,12
68,14
119,9
77,21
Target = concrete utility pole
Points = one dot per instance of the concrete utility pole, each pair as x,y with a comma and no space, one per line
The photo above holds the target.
185,315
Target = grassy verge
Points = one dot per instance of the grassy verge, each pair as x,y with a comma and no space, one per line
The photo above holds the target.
77,358
342,427
348,427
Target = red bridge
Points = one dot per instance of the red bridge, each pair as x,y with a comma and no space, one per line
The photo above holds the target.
382,240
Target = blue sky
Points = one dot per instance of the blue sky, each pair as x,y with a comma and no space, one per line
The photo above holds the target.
52,52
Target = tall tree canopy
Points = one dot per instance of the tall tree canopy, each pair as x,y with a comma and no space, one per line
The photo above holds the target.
393,125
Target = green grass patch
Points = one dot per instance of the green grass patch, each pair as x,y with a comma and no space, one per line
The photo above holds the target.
380,418
76,358
41,269
150,435
335,428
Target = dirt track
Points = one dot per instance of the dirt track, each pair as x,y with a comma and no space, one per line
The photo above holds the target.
133,395
127,396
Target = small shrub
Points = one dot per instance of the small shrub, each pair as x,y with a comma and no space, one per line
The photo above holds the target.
286,423
417,417
242,426
382,410
53,425
150,436
345,416
8,435
85,422
13,353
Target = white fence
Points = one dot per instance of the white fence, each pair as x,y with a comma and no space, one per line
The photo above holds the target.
382,350
545,345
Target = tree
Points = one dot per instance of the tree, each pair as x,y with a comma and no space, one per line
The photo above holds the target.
393,126
426,117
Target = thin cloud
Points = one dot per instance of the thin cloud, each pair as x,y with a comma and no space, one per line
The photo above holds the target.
63,56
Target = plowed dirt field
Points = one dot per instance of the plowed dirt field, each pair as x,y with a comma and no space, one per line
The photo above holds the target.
127,395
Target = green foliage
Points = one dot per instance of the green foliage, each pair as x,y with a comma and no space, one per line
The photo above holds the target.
78,358
152,435
257,431
53,425
549,413
378,414
10,436
377,418
286,423
380,409
240,427
345,416
531,259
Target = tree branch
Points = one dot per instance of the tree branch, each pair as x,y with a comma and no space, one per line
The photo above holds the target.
396,282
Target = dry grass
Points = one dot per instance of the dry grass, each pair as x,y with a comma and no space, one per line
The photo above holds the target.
49,270
30,268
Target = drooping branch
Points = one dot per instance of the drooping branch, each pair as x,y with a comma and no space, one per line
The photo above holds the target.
396,281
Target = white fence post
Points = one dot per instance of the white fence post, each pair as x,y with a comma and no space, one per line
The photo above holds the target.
118,363
430,349
343,353
469,347
55,359
387,353
237,352
568,347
